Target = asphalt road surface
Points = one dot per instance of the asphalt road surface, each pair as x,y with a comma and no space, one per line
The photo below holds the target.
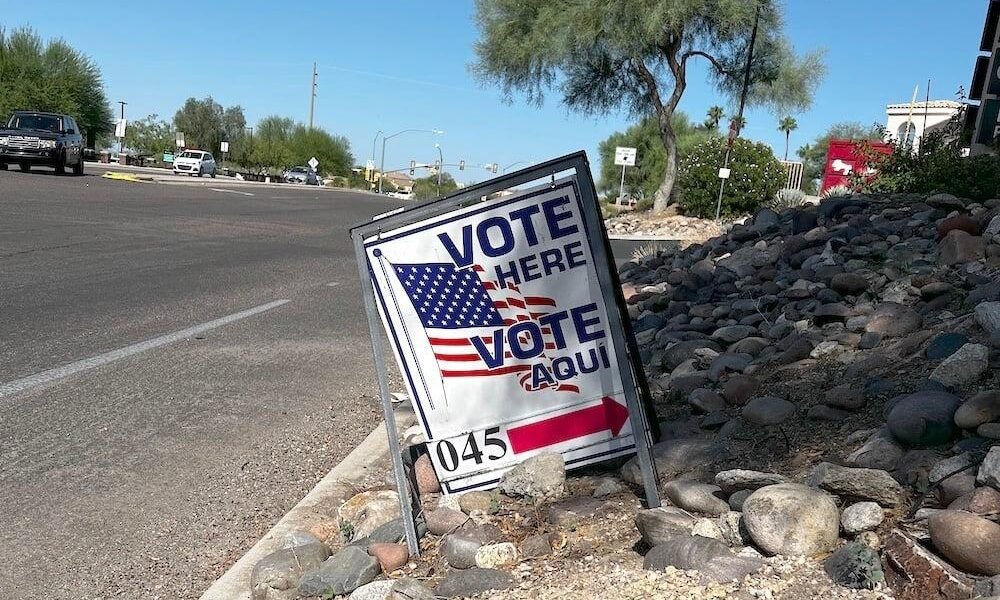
178,366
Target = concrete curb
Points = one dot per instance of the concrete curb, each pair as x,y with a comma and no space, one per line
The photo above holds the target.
235,583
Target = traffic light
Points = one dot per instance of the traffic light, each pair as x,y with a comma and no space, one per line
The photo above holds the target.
493,168
413,166
461,165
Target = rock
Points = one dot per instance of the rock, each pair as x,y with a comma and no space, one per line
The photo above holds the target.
408,588
492,556
989,431
944,345
864,484
855,566
739,389
789,518
745,479
423,472
737,499
957,223
923,419
822,412
981,501
988,316
958,247
340,574
967,364
376,590
893,320
831,313
863,516
936,289
459,548
914,573
541,477
282,570
954,488
571,511
469,582
394,531
732,529
798,350
442,521
707,528
389,556
684,552
845,396
607,486
732,333
676,456
945,202
537,546
849,284
981,408
969,542
989,470
706,401
479,502
946,467
366,511
869,340
696,497
657,525
768,410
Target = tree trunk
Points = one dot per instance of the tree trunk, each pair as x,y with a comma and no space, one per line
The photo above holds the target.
661,199
787,135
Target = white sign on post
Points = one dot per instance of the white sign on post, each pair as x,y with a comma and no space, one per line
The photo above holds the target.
179,139
224,146
625,156
313,163
502,334
120,128
724,173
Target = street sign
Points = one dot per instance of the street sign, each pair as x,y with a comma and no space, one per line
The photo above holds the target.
168,157
179,139
724,173
120,128
625,156
313,163
508,335
224,146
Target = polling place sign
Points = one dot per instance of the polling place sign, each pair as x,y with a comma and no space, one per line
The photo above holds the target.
502,313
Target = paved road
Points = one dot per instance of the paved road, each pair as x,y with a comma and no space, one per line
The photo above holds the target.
146,471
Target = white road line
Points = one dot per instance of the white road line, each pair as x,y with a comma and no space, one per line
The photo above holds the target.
225,191
19,385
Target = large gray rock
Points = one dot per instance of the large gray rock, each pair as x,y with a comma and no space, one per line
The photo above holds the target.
880,451
469,582
968,541
711,558
893,320
282,570
925,418
706,401
442,521
855,566
696,497
862,516
981,408
541,477
340,574
459,548
989,470
790,518
964,366
863,484
376,590
745,479
988,316
768,410
408,588
367,511
657,525
676,456
732,333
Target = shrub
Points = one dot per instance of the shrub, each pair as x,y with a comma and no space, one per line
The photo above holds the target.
837,191
787,198
755,178
337,181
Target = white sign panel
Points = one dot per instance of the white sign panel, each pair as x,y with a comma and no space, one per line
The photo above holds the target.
502,334
724,173
313,163
625,156
120,128
224,146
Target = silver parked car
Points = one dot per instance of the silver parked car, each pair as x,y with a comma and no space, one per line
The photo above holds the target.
301,175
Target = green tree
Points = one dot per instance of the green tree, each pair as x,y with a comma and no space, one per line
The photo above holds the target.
332,152
52,77
150,135
787,125
651,158
426,188
814,155
755,177
271,143
602,55
714,117
205,124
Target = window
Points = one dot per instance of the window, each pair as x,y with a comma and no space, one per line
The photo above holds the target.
907,133
43,122
207,157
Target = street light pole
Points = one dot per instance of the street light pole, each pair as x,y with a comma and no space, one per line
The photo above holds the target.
121,142
440,167
375,139
386,138
520,162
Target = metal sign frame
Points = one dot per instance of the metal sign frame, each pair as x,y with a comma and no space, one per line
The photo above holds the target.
636,389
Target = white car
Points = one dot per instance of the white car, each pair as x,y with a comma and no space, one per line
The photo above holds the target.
194,162
402,195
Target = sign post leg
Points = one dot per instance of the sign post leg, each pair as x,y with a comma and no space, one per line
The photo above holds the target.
374,325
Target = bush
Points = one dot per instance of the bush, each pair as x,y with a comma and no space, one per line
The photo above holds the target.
786,199
337,181
755,178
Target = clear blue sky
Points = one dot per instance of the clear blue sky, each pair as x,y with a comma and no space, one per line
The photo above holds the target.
401,64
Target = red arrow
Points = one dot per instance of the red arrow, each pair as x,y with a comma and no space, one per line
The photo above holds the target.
608,415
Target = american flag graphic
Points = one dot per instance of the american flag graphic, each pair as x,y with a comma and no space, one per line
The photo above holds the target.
455,305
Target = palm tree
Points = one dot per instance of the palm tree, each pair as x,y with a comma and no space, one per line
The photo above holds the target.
715,115
787,125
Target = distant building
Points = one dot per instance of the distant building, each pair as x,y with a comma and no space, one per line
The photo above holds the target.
907,122
403,183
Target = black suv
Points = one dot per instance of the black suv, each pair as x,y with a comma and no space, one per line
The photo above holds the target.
41,138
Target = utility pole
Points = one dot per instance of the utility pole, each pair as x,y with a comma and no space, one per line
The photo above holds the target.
743,103
121,142
440,167
312,97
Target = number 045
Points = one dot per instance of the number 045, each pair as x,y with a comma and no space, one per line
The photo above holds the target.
489,445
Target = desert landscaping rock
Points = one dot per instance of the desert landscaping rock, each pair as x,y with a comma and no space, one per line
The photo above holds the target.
696,497
989,470
737,499
739,389
479,501
537,545
657,525
706,401
849,284
469,582
944,345
880,451
967,364
684,552
342,573
607,486
981,408
793,519
894,320
675,457
409,589
915,573
988,316
846,396
856,566
571,511
389,556
968,541
983,501
459,548
442,521
282,570
862,516
768,410
746,479
924,418
541,477
376,590
366,511
853,482
492,556
423,472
